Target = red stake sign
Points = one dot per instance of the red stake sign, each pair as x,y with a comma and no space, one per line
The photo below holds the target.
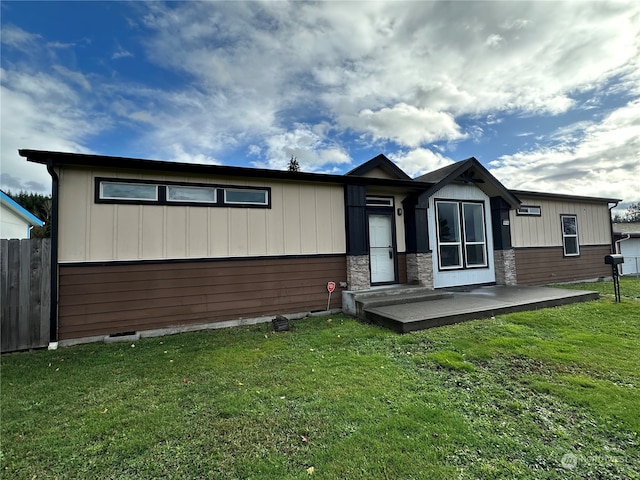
331,286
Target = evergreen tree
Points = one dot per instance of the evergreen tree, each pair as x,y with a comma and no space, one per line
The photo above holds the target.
294,166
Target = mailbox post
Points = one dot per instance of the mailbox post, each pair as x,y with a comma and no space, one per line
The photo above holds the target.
614,260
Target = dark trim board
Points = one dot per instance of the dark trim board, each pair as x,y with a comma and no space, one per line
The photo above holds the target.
163,261
544,265
111,299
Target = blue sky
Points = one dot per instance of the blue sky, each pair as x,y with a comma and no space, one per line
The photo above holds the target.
545,94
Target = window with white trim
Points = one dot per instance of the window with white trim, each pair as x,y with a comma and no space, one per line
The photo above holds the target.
570,235
150,192
529,210
191,194
245,196
379,201
461,235
128,191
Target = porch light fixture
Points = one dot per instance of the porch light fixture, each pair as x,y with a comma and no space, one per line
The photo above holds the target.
399,212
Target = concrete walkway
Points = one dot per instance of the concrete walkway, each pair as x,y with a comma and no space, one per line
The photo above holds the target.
443,308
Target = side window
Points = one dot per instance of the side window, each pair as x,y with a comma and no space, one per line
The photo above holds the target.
152,192
570,235
128,191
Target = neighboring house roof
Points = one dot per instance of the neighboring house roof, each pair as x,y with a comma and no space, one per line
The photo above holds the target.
19,210
468,171
631,229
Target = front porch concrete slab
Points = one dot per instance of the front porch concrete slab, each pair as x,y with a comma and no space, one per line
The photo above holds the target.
470,304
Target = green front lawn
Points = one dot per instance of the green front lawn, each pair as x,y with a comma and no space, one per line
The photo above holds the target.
629,287
547,394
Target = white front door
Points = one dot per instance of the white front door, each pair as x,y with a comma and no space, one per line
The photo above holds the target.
381,250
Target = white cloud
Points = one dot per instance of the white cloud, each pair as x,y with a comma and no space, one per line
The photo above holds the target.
419,161
76,77
387,70
121,53
494,40
16,37
603,161
311,150
407,125
276,79
38,112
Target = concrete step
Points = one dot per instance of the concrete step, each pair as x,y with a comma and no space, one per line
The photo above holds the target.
372,302
395,296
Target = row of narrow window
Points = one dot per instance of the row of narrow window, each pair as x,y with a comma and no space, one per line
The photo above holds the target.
206,195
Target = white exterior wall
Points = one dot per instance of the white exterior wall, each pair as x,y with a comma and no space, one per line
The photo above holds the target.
630,250
12,225
451,278
303,219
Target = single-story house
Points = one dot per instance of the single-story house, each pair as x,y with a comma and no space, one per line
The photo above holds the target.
142,245
627,239
15,220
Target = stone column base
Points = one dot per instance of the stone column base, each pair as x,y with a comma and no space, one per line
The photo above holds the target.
420,269
505,263
358,274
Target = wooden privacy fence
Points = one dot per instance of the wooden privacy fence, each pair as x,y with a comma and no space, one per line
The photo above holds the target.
25,291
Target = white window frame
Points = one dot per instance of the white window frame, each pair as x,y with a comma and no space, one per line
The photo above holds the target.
462,242
565,235
529,211
484,236
263,191
378,201
457,244
139,199
171,200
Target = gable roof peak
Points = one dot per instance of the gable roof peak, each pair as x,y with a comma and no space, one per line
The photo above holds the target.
381,162
470,171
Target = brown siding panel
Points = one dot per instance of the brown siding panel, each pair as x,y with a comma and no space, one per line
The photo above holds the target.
539,266
114,298
402,268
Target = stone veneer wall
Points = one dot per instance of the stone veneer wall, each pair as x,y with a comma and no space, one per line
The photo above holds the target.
358,276
505,264
420,269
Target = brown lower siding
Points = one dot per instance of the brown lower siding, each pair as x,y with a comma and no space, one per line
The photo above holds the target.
539,266
115,298
402,268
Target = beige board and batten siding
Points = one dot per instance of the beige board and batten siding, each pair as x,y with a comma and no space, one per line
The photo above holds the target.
546,230
303,219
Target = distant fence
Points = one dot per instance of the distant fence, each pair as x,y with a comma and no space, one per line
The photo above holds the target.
25,291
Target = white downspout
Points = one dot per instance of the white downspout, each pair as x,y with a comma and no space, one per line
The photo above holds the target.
618,250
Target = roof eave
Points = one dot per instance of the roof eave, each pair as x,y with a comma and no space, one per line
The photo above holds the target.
527,193
102,161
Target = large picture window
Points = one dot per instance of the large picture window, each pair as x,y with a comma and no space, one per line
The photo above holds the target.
570,235
461,235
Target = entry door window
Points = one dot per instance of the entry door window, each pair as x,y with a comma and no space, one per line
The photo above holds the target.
381,250
461,235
